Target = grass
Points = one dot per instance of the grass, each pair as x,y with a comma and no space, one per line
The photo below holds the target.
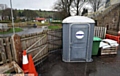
54,27
11,31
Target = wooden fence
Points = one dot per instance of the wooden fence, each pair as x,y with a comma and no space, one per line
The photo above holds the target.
54,39
38,45
100,32
6,53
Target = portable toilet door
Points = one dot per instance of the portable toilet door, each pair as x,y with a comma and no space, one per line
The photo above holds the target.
79,35
79,40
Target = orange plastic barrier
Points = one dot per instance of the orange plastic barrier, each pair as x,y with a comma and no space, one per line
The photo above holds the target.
112,37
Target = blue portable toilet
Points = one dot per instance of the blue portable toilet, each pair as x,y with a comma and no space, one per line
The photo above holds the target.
78,32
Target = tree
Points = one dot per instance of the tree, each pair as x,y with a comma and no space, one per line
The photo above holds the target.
69,6
29,14
63,6
20,14
74,6
77,5
84,11
96,4
6,14
59,15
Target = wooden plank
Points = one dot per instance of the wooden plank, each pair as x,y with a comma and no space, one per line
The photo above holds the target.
17,67
100,32
3,53
10,67
39,52
23,45
1,50
6,67
31,37
11,45
41,57
33,49
53,39
17,48
9,54
35,43
54,35
29,41
108,51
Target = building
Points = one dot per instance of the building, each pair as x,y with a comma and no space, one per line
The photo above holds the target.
3,6
110,17
40,19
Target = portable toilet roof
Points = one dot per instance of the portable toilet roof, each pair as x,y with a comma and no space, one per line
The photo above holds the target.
78,19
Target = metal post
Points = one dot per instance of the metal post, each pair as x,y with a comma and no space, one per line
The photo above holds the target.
12,17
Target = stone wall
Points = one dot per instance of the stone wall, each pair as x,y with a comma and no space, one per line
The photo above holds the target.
110,19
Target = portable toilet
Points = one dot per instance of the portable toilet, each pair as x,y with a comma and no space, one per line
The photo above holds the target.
78,32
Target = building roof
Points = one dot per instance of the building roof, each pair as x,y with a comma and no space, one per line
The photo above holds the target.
40,19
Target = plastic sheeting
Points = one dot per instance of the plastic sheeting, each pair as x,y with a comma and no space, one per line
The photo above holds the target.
107,43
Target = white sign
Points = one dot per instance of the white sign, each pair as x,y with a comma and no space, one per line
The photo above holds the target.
79,34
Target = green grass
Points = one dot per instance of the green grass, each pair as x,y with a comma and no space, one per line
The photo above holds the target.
54,27
11,31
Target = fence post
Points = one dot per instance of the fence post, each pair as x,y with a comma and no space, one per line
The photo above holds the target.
17,49
2,51
8,51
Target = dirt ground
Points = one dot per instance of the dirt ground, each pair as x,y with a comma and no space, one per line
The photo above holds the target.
108,65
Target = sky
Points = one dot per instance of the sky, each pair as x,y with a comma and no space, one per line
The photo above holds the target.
30,4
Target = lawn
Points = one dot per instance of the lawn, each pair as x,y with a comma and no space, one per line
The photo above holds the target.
11,31
54,27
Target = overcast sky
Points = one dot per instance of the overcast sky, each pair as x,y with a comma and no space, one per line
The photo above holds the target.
30,4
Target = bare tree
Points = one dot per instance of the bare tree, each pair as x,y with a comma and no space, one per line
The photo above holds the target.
63,6
66,7
96,4
77,5
6,14
69,6
84,11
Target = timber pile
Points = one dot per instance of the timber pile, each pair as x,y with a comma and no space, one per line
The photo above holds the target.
10,67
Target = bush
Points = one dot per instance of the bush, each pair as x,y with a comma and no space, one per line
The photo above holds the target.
11,31
56,22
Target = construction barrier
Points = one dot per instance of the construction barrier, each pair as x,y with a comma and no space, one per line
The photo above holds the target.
25,62
112,37
32,69
28,64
